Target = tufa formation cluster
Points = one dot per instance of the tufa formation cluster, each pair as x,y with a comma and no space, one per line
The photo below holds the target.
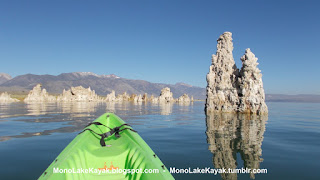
231,90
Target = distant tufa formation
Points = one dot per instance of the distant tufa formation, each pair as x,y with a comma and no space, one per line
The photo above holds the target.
81,94
6,98
75,94
229,90
37,94
184,99
166,96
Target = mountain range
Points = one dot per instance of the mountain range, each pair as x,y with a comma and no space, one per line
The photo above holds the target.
4,78
104,84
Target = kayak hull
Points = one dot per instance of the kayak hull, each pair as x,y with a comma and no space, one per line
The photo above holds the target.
124,157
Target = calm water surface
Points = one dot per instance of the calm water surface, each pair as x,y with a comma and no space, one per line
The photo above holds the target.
286,142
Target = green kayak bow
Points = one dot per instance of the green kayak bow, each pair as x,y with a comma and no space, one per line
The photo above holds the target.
107,148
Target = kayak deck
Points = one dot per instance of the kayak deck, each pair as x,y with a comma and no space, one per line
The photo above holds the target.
87,158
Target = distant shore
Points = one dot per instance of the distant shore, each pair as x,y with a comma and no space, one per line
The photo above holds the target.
301,98
21,96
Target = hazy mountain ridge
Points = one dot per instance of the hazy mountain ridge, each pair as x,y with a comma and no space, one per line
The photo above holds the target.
102,84
4,78
313,98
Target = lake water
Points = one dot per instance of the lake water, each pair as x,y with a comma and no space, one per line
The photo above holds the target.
286,142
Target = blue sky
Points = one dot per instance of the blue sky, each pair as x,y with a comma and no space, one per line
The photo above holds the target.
162,41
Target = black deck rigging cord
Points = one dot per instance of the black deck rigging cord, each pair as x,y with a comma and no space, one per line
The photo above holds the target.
116,131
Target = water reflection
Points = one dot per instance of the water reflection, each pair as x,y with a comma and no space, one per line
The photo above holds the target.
165,108
36,119
110,107
229,134
6,110
78,109
47,118
39,108
137,103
